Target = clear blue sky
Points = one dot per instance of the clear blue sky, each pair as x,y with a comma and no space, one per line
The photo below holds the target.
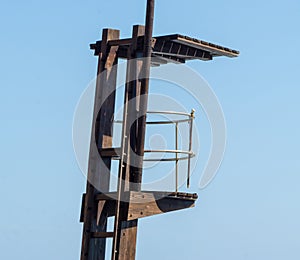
250,211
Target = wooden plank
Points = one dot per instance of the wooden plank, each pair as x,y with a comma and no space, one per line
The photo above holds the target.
180,51
145,204
128,238
110,152
200,44
106,196
158,195
212,48
102,234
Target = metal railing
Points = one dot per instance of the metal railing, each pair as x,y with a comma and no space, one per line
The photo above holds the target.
179,154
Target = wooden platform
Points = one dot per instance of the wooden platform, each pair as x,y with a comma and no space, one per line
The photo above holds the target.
145,203
172,48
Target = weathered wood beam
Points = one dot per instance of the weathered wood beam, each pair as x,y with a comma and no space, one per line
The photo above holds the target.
102,234
92,248
124,243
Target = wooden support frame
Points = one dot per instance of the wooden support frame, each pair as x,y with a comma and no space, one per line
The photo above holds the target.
130,203
101,137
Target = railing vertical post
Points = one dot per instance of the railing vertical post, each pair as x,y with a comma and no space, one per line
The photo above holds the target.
190,147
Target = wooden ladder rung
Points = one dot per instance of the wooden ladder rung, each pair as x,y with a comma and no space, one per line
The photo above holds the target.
110,152
102,234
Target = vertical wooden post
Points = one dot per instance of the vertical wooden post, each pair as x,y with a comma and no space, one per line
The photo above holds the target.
101,137
124,244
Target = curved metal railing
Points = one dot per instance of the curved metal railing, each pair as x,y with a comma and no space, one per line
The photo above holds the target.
179,154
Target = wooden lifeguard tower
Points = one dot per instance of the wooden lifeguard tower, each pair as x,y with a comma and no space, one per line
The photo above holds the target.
129,202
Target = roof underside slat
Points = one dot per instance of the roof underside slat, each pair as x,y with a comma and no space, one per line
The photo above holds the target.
213,49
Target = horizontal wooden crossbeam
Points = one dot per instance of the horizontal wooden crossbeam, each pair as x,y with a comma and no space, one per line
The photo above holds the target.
102,234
